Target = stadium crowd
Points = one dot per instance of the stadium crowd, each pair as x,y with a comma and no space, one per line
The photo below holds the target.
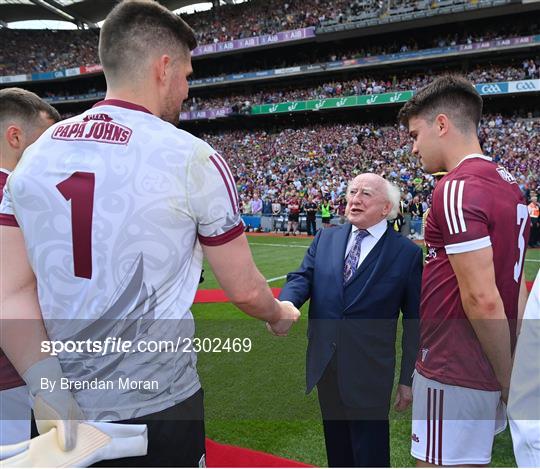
45,50
416,40
318,161
529,69
361,86
49,50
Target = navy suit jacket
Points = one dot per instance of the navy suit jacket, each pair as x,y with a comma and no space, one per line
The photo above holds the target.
357,320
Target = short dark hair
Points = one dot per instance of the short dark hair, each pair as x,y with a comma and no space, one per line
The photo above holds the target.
135,25
24,106
452,95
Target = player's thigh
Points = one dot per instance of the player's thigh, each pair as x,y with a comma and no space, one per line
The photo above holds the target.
15,414
452,425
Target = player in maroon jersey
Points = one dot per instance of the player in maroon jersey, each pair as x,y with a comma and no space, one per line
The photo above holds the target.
23,118
293,204
476,236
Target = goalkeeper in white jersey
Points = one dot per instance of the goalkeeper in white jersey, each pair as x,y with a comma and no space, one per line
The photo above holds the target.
129,205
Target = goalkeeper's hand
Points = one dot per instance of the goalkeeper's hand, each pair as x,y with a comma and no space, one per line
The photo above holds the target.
56,408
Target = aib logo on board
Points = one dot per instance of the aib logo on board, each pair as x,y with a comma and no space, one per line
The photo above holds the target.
273,108
319,104
395,98
373,99
341,102
292,106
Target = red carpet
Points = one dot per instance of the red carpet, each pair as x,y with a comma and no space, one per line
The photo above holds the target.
218,296
218,455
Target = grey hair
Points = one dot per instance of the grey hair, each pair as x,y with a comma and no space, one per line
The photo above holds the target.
394,196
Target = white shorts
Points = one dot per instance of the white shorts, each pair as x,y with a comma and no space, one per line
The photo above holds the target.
453,425
14,415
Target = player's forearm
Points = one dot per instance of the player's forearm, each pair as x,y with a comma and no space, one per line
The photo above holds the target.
491,327
255,298
20,317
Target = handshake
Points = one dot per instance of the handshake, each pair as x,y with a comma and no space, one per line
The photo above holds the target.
288,314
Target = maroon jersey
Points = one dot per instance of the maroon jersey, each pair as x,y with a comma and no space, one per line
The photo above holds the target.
476,205
9,378
294,206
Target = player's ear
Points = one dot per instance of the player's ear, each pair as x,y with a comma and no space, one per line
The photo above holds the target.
14,137
162,68
442,124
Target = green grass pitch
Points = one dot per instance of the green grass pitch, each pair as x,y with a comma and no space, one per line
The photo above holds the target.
256,399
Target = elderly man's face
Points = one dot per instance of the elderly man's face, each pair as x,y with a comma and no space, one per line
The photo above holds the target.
367,201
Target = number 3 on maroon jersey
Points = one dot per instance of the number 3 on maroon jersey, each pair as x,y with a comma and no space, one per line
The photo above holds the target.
79,188
522,217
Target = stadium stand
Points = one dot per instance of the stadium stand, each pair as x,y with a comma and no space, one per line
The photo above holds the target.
317,154
49,50
351,48
319,160
362,86
43,50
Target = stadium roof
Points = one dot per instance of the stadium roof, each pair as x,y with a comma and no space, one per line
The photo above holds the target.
87,12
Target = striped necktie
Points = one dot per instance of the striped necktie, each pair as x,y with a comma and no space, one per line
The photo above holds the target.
351,262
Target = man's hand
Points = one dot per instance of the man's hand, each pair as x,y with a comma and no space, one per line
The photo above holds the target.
53,407
289,314
403,398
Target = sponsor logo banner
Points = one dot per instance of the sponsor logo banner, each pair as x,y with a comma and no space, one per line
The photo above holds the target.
282,36
333,103
523,86
281,71
71,72
206,114
15,78
47,75
492,88
91,68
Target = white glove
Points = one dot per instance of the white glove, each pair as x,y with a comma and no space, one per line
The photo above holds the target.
56,408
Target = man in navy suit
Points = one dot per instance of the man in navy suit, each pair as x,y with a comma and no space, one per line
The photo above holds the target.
358,277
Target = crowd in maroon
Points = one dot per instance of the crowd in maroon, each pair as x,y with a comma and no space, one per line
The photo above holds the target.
318,161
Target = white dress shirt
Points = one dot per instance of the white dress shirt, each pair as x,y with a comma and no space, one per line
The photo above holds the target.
376,232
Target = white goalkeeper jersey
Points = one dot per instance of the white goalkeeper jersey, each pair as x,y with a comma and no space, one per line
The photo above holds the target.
114,204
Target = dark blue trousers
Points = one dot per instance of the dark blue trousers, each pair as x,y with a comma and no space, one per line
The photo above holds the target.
353,437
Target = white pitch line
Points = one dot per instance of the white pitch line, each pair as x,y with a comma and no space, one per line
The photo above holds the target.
280,245
306,246
270,280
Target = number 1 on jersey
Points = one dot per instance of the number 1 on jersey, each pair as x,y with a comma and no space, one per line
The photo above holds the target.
79,188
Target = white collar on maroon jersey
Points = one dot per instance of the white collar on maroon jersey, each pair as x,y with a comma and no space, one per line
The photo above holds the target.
474,155
121,103
5,171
